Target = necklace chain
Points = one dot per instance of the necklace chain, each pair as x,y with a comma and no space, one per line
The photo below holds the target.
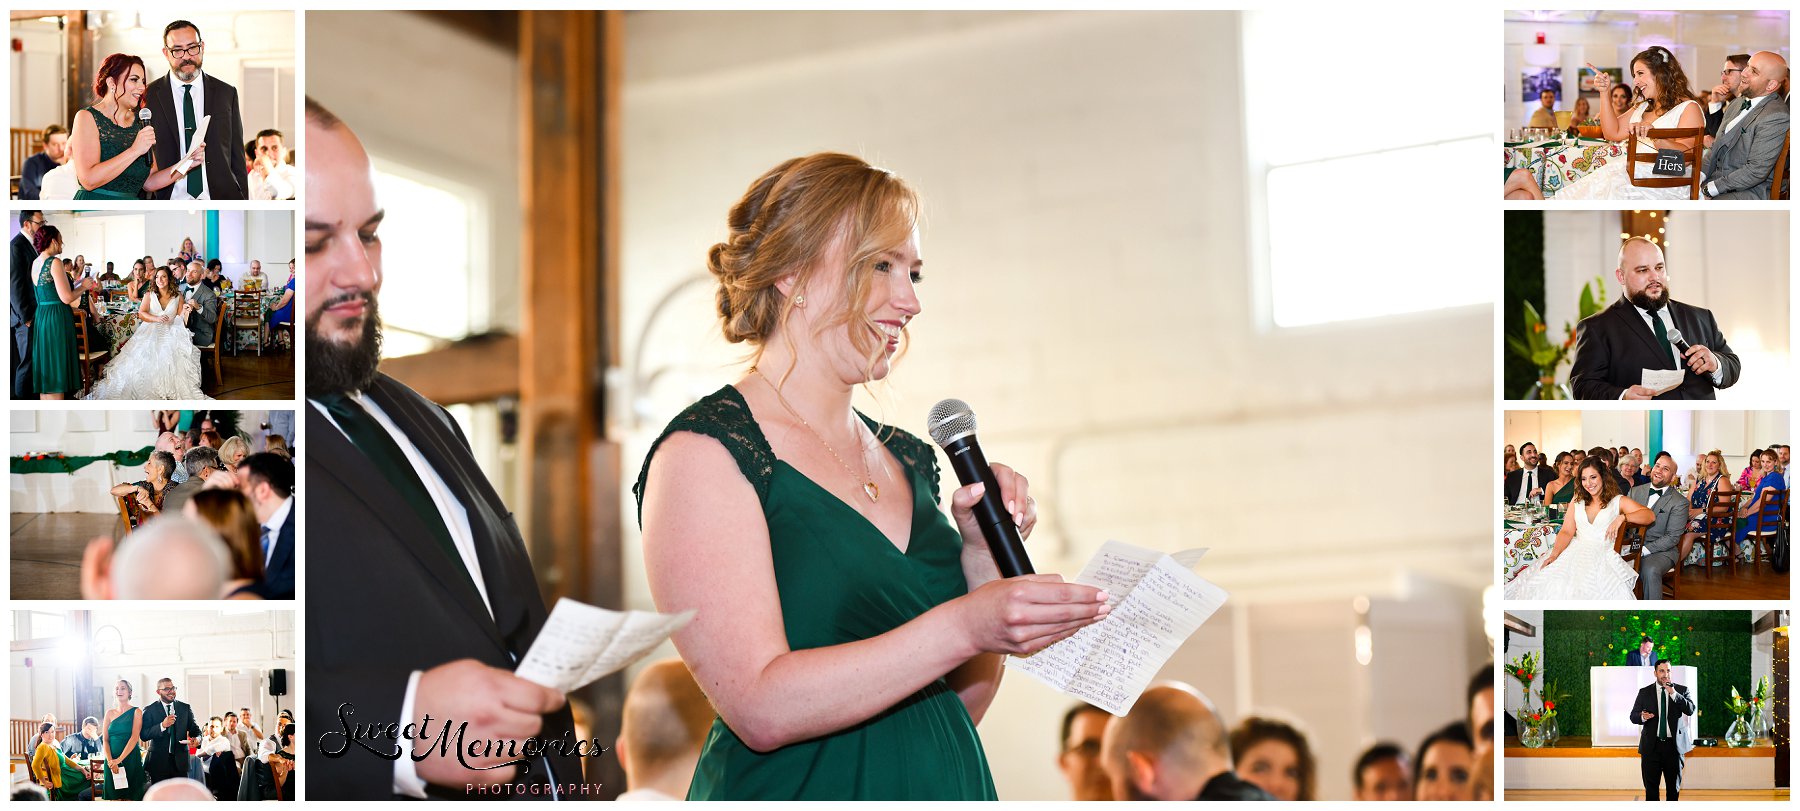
868,482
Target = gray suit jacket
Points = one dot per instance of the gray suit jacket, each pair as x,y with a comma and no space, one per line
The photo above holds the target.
204,320
1671,518
1742,161
178,495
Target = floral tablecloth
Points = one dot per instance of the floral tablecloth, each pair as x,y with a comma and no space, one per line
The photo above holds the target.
1557,163
1524,544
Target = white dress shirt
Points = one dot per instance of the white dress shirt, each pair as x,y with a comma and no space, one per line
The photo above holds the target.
1718,375
278,184
456,519
1527,481
179,191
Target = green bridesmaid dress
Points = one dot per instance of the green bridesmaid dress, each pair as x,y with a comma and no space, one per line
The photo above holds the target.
841,580
118,733
115,139
74,779
54,367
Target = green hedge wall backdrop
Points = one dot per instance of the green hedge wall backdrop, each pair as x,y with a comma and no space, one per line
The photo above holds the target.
1523,280
1715,642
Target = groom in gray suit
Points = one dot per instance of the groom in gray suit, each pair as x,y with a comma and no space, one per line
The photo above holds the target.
204,320
1741,163
1662,541
1663,743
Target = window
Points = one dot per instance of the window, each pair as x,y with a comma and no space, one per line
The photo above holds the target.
1367,157
429,286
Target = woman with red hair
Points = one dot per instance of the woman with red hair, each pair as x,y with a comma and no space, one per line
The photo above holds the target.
111,145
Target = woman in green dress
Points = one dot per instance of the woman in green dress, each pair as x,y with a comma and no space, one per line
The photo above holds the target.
55,371
124,734
60,776
1562,488
848,633
111,146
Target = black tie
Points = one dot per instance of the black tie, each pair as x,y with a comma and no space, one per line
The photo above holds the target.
381,450
1656,492
194,181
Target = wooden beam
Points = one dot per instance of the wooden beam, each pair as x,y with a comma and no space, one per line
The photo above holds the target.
569,85
81,65
472,370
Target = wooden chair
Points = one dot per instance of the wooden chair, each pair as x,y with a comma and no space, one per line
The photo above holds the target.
91,359
247,314
1721,521
218,338
1768,517
1691,155
1775,190
1629,544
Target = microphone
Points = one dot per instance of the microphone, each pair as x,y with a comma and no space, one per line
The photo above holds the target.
951,424
143,115
1680,344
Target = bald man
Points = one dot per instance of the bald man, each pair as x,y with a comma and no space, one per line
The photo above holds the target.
1741,163
665,722
1613,347
1172,746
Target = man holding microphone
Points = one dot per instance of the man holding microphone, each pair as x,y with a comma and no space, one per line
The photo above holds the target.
1662,709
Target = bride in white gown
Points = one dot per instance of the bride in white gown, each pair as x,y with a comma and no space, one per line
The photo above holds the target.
1582,564
159,361
1663,87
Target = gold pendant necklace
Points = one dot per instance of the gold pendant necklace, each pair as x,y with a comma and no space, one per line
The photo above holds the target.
868,482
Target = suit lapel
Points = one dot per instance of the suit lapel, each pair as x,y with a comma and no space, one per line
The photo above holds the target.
340,460
1627,314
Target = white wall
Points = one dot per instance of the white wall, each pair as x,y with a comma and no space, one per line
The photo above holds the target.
38,80
83,433
1700,41
219,660
1085,229
1730,262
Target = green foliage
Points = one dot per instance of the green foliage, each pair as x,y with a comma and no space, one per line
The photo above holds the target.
1717,643
1522,280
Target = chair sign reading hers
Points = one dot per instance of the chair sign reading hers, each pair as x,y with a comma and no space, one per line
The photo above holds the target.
1669,162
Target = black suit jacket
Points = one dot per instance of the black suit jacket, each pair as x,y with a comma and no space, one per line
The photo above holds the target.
1634,659
278,576
160,759
1545,474
24,282
226,175
1714,120
1683,704
1613,347
395,602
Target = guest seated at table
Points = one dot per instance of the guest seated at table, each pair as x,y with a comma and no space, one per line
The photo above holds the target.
1659,80
1582,115
59,776
148,493
1544,116
1768,482
1741,164
1445,766
231,514
1382,773
1729,88
55,153
84,744
188,252
1172,746
1509,464
1562,488
254,279
1628,472
1712,479
1274,756
110,275
233,451
217,762
138,283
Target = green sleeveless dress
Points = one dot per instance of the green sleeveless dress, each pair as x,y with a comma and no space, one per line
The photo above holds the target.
841,580
74,780
115,139
54,367
118,733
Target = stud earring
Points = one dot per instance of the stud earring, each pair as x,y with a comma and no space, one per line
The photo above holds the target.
800,300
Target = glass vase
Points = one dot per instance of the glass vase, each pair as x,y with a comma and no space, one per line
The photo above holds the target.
1739,735
1759,729
1532,737
1552,732
1546,388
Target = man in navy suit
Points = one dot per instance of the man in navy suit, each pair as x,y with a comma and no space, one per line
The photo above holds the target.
167,726
24,302
1644,656
268,481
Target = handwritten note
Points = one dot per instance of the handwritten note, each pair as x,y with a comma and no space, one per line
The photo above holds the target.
580,643
1663,381
1157,603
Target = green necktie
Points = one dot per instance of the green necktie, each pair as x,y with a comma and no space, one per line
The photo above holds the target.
194,180
1745,106
385,454
1662,712
1662,336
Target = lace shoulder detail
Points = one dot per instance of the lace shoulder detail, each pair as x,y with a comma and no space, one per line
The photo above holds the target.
724,416
43,276
915,453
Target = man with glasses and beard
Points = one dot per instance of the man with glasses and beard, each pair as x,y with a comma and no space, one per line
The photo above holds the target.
24,303
432,599
178,102
1646,329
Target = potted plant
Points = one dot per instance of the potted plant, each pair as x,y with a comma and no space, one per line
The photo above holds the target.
1548,355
